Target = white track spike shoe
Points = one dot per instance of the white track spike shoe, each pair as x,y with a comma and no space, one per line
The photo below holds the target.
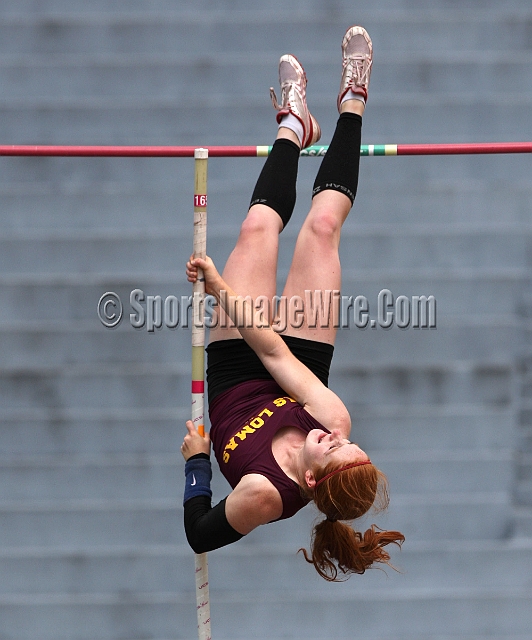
293,81
357,58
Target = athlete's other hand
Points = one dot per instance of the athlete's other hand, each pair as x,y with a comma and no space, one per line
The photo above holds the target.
194,442
210,272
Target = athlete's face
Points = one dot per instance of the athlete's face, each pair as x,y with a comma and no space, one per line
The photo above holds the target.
321,448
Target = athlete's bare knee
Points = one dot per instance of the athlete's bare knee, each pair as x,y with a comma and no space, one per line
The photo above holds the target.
258,224
325,225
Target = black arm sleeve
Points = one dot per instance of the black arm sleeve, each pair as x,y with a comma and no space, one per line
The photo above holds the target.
207,528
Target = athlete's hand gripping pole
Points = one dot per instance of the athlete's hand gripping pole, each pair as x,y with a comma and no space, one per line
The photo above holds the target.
198,366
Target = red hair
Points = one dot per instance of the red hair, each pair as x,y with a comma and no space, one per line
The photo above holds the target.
347,495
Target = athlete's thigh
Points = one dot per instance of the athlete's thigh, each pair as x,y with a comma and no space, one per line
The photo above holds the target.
251,269
311,296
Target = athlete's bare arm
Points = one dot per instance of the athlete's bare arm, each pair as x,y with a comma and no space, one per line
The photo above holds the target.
290,374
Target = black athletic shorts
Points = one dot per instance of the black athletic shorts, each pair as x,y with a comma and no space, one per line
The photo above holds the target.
230,362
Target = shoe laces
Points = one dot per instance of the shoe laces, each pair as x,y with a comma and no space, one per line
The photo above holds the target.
276,105
285,96
358,70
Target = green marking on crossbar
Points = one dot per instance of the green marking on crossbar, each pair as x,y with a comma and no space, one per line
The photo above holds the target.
365,150
378,150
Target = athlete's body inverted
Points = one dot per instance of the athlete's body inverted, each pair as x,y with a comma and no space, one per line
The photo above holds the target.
280,435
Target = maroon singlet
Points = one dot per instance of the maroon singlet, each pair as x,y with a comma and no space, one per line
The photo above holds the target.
244,421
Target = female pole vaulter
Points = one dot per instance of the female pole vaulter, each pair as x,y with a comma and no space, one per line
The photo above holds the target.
280,435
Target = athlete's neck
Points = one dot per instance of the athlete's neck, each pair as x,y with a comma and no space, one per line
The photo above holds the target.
287,448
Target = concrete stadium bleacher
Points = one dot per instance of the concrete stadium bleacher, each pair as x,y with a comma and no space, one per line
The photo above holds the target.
91,539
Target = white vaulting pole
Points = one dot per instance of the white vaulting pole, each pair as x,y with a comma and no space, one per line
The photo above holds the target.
198,366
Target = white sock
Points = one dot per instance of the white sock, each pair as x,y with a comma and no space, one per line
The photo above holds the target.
291,122
350,95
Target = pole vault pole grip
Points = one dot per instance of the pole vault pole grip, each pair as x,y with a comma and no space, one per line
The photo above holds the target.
198,366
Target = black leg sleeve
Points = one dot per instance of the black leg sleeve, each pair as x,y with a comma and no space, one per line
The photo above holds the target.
276,185
339,168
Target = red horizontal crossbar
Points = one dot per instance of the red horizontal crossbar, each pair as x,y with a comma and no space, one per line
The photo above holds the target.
122,151
243,151
463,148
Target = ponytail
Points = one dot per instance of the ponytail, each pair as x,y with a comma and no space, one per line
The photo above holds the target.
337,547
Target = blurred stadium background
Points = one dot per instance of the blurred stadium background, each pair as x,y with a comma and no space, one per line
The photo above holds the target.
91,539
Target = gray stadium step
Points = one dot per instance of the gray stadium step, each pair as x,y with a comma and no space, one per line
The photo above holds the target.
97,523
446,516
443,565
93,345
411,177
467,612
92,523
107,432
109,206
107,387
426,472
422,189
113,121
145,432
486,298
165,386
169,569
128,478
400,385
140,569
53,347
185,76
490,345
524,469
173,32
523,523
111,479
490,8
463,248
459,427
101,617
152,122
525,444
523,494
